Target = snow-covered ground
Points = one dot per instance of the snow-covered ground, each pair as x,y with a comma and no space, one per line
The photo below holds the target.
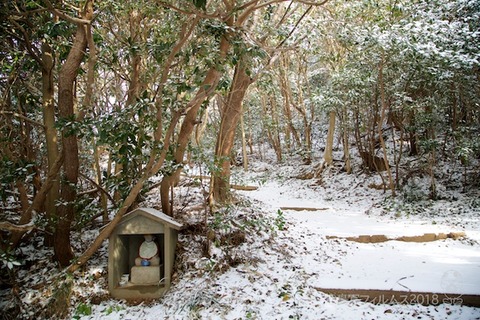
283,258
292,256
448,266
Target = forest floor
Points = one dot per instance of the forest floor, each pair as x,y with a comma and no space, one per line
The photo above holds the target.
274,253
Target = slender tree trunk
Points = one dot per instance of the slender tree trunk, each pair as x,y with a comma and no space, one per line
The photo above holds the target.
198,133
454,114
122,166
98,180
307,127
303,70
430,135
244,143
51,137
412,135
206,89
250,143
67,76
398,155
288,101
231,115
346,150
380,125
273,131
200,128
328,154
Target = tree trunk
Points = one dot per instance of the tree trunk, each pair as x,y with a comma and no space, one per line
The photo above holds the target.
156,160
244,143
380,126
50,137
98,180
200,128
328,154
272,129
346,151
123,166
412,135
67,76
307,125
286,91
206,89
231,115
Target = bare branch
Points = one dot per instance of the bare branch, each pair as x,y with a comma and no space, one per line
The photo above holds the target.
38,200
252,5
313,3
185,34
21,116
285,14
188,11
65,16
30,12
266,4
295,27
8,226
27,42
92,60
99,187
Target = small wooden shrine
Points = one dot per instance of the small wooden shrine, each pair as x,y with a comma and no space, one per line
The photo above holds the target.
141,253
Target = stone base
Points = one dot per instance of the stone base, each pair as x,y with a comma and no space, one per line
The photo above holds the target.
145,275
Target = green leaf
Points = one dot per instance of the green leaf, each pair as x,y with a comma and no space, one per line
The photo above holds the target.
83,310
123,150
200,4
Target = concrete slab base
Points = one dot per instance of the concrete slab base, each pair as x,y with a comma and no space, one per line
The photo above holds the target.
145,275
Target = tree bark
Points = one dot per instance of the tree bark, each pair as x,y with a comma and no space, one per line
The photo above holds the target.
380,126
206,89
346,150
66,80
272,130
328,154
301,108
244,143
286,91
50,137
231,115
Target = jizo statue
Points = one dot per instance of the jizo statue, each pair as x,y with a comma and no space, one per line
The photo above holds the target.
148,252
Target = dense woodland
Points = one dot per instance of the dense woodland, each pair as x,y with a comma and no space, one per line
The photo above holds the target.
101,101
